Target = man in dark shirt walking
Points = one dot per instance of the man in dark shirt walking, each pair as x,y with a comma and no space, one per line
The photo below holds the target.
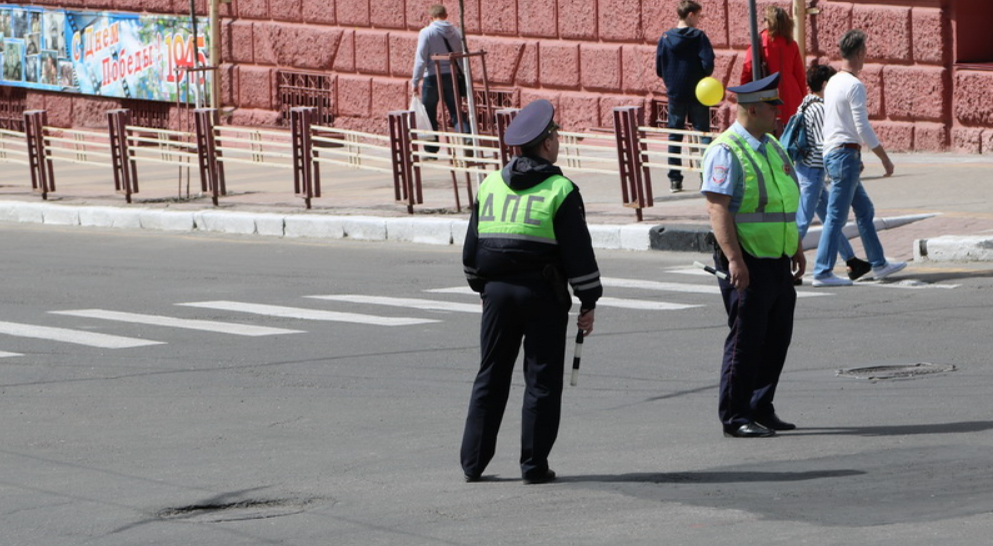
683,58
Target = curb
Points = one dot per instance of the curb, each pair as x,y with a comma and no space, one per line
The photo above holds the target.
418,230
954,249
431,231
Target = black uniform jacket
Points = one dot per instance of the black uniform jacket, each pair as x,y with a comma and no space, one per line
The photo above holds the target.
510,259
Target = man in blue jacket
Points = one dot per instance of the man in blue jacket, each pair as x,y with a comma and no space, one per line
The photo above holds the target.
683,58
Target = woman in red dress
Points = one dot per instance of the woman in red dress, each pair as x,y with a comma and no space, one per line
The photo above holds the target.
780,53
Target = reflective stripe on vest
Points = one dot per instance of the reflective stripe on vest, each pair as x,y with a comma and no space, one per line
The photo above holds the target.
766,219
525,215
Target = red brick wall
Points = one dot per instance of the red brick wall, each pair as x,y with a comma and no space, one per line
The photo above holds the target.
587,56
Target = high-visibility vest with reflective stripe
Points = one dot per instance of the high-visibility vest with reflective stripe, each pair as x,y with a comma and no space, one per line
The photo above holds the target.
766,219
527,214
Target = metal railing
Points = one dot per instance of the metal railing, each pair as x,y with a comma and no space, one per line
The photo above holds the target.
588,152
165,147
630,152
13,148
352,149
77,146
249,146
656,152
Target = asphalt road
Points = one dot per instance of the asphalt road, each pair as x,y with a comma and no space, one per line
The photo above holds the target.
331,432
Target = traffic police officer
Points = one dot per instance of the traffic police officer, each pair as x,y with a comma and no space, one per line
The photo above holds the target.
527,237
752,197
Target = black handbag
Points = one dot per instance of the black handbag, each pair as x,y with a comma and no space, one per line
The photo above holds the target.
460,77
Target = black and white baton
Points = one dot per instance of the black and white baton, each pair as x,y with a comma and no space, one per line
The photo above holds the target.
715,272
577,355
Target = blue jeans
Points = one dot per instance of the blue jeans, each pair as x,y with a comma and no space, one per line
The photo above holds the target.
429,96
843,165
813,200
699,117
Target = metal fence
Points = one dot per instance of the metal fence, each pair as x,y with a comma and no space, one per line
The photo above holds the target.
630,152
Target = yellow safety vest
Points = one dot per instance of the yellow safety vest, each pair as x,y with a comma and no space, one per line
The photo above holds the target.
521,214
766,219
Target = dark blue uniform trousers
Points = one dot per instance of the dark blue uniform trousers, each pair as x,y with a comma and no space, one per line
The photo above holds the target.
761,323
525,310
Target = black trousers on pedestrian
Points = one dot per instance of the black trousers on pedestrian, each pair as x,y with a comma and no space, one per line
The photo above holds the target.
430,97
761,323
513,312
699,117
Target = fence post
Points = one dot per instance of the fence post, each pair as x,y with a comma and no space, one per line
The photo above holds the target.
42,174
646,174
401,154
503,119
633,191
306,182
125,172
211,175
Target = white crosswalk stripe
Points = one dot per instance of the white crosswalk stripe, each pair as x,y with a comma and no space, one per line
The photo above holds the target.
682,287
604,302
78,337
413,303
189,324
5,354
307,314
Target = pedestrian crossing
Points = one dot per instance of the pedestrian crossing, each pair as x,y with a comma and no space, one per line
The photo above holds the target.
688,288
411,303
602,302
79,337
173,322
306,314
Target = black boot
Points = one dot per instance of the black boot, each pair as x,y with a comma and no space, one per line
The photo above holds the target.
857,268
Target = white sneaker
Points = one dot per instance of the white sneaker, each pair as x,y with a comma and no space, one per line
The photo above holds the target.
832,280
888,269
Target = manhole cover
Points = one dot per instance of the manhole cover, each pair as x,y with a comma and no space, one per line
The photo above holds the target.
903,371
237,511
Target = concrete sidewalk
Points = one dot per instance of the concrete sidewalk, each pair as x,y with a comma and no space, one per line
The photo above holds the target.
360,205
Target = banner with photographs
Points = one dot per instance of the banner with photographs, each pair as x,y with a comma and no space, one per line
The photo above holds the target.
122,55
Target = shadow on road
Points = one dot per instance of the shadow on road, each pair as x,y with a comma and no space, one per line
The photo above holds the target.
898,430
712,477
946,276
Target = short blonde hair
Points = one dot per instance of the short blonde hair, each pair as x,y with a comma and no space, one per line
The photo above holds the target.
437,11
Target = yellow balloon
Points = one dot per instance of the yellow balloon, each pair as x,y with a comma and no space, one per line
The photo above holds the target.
709,91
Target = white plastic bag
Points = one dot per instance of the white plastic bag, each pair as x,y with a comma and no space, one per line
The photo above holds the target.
421,120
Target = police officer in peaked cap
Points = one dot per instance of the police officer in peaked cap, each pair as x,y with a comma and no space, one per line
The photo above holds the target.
527,239
752,198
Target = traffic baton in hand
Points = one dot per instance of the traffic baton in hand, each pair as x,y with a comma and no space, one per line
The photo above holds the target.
577,355
715,272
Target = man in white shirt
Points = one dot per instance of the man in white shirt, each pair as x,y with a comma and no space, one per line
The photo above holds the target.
846,128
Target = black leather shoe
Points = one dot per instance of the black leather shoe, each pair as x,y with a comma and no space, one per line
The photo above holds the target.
545,477
775,423
749,430
471,478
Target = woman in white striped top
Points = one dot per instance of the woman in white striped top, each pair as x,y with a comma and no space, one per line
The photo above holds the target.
810,168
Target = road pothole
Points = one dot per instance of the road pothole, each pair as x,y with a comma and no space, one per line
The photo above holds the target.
902,371
237,511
